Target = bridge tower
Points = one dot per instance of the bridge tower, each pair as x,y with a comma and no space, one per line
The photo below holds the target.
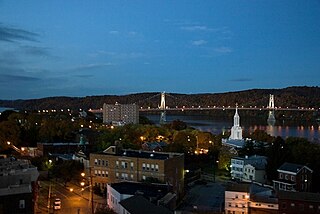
271,118
162,107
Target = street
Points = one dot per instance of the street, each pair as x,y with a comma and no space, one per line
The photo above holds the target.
76,201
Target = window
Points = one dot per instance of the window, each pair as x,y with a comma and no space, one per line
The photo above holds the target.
131,165
99,162
292,204
148,166
143,166
281,176
117,175
236,196
95,161
230,205
152,167
102,162
157,167
107,163
107,174
243,197
301,207
286,177
131,176
117,164
292,178
99,173
102,173
21,204
311,206
96,172
143,177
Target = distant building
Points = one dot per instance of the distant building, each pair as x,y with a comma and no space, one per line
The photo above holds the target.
249,168
44,149
154,146
120,114
115,165
299,202
18,186
155,193
235,140
293,177
244,198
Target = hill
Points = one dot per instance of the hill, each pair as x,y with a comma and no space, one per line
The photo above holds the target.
307,97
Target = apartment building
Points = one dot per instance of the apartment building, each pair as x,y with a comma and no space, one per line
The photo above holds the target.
115,165
244,198
120,114
18,186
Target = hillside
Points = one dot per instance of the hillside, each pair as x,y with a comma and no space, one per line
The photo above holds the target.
291,96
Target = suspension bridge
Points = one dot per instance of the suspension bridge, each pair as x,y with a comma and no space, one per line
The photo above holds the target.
163,107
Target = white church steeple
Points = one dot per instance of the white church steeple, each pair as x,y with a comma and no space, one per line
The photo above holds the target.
236,130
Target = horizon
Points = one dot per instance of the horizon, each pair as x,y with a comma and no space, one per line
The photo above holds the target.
156,92
93,48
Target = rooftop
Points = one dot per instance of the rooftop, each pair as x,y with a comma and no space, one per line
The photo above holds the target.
299,196
138,204
148,190
144,154
291,167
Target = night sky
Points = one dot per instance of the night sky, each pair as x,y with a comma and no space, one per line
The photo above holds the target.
81,48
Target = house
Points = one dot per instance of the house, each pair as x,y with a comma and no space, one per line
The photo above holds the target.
153,193
293,177
114,165
298,202
249,168
138,204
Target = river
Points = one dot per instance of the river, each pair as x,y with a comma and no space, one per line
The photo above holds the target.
217,126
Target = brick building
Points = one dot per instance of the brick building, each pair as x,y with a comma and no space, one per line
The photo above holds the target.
115,165
298,202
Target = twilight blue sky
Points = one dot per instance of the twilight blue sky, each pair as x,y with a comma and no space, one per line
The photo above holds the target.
96,47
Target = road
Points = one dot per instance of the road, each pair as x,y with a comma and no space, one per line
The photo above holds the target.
75,202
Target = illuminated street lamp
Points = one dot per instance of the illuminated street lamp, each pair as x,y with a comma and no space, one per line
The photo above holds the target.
83,174
8,142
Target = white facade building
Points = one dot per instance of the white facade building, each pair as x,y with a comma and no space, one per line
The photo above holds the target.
237,199
249,168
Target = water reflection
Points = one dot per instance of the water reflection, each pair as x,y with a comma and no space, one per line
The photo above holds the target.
209,124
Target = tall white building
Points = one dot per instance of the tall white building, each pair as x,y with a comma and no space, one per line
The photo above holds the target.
236,130
120,113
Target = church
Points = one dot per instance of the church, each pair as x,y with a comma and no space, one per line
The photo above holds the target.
235,140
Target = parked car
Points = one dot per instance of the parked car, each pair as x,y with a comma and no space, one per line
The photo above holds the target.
57,204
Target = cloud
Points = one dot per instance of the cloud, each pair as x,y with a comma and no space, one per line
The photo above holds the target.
114,32
7,78
196,28
199,42
35,51
85,76
10,34
91,66
223,50
242,80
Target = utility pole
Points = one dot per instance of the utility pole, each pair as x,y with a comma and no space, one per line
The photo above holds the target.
91,191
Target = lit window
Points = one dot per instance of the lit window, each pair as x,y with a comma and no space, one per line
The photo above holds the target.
21,204
143,177
157,167
143,166
95,161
